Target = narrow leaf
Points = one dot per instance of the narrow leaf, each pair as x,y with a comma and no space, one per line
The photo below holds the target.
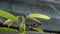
10,24
35,20
8,15
22,26
7,22
39,30
5,29
34,15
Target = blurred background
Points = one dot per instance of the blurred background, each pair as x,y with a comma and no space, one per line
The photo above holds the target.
50,8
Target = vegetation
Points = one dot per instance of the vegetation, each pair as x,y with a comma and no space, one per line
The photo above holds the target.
22,29
5,29
10,17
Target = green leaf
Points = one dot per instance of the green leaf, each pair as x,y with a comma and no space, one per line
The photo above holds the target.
10,24
8,16
35,15
35,20
39,30
22,26
7,22
5,29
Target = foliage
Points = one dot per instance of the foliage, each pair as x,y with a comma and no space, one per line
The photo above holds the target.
22,26
11,18
5,29
7,15
39,30
36,15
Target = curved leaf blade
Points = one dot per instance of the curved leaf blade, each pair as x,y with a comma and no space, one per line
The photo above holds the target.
35,20
35,15
7,22
22,26
5,29
39,30
8,15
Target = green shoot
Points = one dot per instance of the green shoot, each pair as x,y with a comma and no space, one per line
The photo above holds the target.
7,22
10,24
35,20
38,30
8,16
34,15
22,26
5,29
11,18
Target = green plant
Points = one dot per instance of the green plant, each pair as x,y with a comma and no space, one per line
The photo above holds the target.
22,26
22,29
5,29
9,16
33,16
36,15
39,30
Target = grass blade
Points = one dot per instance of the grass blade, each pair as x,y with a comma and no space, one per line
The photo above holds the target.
7,22
34,15
5,29
8,15
38,30
10,24
35,20
22,26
